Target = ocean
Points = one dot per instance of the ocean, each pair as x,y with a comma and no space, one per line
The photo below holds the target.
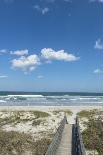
50,99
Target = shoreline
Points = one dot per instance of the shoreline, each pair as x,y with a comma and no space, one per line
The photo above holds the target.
48,107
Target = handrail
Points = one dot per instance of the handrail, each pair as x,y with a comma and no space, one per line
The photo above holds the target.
57,138
80,148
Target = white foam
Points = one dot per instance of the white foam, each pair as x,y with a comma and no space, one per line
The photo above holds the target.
2,101
89,98
25,96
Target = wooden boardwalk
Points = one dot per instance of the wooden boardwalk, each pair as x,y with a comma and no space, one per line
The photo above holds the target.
65,147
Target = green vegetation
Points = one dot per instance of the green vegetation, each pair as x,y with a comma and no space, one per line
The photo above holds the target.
18,117
93,135
92,120
37,122
66,111
40,114
89,113
14,143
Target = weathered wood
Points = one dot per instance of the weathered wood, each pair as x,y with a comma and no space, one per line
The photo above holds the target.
65,147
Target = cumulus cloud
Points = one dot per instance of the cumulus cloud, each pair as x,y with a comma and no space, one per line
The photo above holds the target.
98,71
43,11
3,76
99,44
26,64
50,54
20,52
46,55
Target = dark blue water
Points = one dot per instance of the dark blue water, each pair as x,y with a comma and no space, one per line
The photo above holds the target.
50,99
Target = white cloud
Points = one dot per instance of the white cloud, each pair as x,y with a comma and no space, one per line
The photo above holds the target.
47,55
43,11
20,52
40,76
50,54
101,1
99,45
3,76
98,71
26,64
37,7
3,51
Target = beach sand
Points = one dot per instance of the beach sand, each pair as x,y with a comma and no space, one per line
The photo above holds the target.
71,119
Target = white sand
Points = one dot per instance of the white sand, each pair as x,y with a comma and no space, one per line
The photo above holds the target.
71,119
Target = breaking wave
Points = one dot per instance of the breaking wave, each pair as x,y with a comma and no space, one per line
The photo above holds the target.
48,99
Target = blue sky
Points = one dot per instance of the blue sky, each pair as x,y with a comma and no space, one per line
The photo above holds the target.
51,45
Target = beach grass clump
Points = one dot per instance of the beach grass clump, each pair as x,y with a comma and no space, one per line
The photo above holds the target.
6,120
93,135
89,113
37,122
40,114
15,117
65,111
15,143
68,112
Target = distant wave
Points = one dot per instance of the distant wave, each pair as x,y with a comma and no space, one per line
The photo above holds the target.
25,96
2,101
49,99
89,98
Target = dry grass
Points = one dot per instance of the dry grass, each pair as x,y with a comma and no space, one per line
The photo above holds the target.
16,117
15,143
89,113
66,111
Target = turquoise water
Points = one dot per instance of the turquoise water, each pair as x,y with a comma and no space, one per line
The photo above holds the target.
50,99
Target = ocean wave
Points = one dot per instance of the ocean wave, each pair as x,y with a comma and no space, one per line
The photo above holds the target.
73,99
50,99
26,96
2,101
61,96
90,98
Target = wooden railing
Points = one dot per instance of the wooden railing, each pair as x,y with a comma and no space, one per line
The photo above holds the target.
57,138
79,146
77,142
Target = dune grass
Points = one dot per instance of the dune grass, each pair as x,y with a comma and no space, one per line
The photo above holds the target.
15,143
18,117
93,135
40,114
65,111
89,113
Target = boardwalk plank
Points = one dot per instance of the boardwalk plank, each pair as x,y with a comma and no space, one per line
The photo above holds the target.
65,147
